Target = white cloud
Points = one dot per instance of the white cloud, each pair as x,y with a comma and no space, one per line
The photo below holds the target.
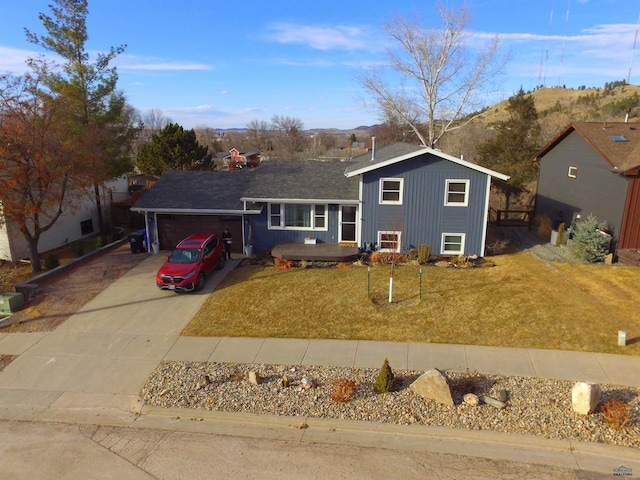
198,108
340,37
135,63
14,60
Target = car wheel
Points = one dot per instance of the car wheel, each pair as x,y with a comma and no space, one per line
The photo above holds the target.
199,282
221,262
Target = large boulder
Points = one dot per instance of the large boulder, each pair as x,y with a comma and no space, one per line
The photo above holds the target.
585,397
433,385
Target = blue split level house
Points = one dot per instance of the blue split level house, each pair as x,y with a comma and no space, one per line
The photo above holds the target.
397,198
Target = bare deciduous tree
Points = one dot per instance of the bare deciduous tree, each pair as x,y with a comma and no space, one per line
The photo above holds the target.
288,138
258,134
153,120
440,79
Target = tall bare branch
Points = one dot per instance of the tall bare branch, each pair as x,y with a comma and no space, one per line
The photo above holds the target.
438,77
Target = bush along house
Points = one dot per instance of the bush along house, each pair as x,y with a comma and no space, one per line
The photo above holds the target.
395,198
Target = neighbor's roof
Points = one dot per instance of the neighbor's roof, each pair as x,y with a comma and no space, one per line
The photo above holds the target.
303,180
399,152
617,143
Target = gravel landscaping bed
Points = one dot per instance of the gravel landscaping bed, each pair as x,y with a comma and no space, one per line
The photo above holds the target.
534,406
527,240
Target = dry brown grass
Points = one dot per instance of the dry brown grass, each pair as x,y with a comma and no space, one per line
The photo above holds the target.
521,302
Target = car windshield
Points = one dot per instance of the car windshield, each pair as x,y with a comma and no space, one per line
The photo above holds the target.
185,255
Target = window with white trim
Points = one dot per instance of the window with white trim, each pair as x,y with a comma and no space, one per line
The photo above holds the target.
389,241
275,218
320,216
297,216
452,243
456,193
391,191
572,172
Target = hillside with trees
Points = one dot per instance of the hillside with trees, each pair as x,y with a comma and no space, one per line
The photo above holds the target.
559,106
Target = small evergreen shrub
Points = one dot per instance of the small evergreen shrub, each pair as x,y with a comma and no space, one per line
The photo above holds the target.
51,261
385,381
99,242
589,243
413,254
424,252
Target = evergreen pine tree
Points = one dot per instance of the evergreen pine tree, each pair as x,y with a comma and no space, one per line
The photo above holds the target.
385,381
589,243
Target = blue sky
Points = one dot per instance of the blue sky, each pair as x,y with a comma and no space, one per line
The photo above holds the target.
222,64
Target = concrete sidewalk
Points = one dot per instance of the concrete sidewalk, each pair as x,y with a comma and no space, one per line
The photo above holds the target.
91,369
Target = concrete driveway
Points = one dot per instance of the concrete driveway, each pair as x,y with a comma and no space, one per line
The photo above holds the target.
99,358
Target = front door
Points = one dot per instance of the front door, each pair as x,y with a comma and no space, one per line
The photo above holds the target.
348,224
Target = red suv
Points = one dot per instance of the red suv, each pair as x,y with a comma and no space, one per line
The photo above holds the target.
187,266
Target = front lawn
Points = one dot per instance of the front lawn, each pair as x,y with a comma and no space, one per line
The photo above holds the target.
521,302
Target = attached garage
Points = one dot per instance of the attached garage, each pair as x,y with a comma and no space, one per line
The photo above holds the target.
183,203
172,228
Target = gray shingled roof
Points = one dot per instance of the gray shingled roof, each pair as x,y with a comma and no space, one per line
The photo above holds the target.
196,190
223,191
383,154
302,180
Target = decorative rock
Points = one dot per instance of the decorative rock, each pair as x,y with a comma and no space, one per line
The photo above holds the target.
471,399
433,385
254,379
308,383
285,381
493,402
585,397
503,395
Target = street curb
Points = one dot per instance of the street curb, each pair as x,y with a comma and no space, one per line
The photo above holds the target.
559,453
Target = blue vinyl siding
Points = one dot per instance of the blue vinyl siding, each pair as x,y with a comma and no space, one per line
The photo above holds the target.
423,217
263,239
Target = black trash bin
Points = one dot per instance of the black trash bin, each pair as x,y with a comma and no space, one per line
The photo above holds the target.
136,240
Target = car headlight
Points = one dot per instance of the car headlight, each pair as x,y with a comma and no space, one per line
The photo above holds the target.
188,275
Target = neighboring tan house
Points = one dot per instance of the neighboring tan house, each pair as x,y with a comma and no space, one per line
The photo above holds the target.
407,195
593,168
75,223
